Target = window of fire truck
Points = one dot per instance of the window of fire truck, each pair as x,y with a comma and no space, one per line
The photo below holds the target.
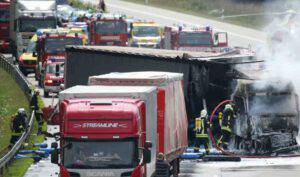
32,25
4,15
102,154
31,47
146,31
51,68
195,39
111,27
57,45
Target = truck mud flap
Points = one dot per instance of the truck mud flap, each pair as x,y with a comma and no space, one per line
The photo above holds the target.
221,158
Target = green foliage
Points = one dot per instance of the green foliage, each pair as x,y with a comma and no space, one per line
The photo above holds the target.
213,9
12,98
80,5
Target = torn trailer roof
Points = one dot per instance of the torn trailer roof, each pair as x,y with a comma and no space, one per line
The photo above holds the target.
206,75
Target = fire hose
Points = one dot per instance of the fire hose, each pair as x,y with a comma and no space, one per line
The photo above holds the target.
230,153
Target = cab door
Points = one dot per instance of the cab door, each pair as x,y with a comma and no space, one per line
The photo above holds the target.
221,39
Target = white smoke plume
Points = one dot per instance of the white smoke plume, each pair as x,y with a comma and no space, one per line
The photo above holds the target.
282,51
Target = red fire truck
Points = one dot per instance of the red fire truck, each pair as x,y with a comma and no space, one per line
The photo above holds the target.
4,25
107,130
108,29
195,39
51,56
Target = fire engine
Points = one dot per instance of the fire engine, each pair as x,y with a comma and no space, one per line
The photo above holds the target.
145,34
51,52
200,39
4,25
108,29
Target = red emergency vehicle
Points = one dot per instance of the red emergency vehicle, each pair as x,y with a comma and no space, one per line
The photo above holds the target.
4,25
194,39
108,29
51,55
108,130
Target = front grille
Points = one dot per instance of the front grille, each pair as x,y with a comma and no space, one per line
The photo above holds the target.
57,83
73,174
29,62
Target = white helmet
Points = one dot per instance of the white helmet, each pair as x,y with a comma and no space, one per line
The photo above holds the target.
21,111
228,106
203,113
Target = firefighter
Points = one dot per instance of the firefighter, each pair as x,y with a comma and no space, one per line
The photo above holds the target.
102,6
226,126
201,132
162,166
216,126
18,125
37,112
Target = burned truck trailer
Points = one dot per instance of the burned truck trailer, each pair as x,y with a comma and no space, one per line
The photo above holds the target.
267,116
204,77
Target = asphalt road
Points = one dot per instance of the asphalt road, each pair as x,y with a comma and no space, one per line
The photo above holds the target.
238,36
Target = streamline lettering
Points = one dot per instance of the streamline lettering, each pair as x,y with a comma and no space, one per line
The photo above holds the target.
100,125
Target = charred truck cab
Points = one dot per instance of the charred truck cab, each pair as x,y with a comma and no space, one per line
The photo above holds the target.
27,16
108,29
198,39
267,116
4,26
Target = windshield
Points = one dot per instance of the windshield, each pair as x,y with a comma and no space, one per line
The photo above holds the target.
4,15
272,104
101,154
195,39
32,25
51,68
111,27
31,47
146,31
57,45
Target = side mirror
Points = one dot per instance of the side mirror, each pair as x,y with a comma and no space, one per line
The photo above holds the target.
57,70
34,54
146,156
216,39
147,152
54,153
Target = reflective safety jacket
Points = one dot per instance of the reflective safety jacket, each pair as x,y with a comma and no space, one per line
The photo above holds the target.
227,120
18,125
201,126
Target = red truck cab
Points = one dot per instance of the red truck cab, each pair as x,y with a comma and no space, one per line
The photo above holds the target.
4,26
106,131
194,39
52,77
108,30
51,47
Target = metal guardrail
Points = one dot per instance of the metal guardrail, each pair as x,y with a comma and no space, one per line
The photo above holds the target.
18,76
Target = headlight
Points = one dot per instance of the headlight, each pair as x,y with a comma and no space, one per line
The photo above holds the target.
48,81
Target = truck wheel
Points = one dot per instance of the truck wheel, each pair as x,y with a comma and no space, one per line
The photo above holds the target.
46,94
